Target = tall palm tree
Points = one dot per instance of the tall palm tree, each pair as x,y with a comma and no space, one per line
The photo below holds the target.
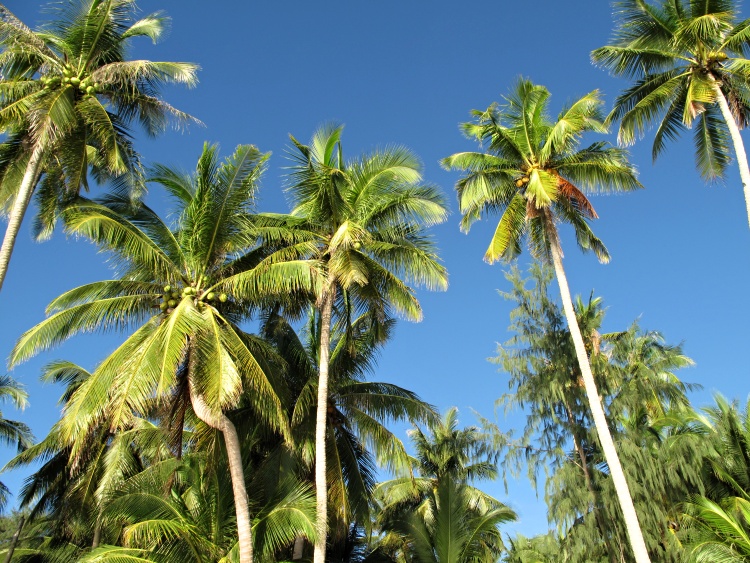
689,66
356,435
203,277
371,214
68,96
533,174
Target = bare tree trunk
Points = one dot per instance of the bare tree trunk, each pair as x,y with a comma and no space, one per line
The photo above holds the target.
14,540
739,147
600,421
299,548
234,456
20,205
321,483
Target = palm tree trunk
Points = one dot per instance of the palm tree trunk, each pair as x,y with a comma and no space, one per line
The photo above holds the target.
21,203
321,418
97,532
600,421
299,548
14,540
739,147
234,456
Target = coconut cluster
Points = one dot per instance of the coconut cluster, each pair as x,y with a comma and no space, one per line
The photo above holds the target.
84,84
172,296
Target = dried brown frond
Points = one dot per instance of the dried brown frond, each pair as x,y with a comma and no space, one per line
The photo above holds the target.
576,197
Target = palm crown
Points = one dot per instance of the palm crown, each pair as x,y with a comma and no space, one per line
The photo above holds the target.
201,277
67,99
683,57
534,170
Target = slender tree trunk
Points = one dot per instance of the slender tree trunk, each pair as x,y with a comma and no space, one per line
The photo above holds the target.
234,456
600,421
97,532
299,548
739,146
14,540
589,483
321,417
20,205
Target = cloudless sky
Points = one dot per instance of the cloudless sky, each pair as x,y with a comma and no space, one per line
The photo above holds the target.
409,73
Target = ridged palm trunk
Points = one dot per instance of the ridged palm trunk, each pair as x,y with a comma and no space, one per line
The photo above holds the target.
20,205
234,456
739,146
605,438
321,418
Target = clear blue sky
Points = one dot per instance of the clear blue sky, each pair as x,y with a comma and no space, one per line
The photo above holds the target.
409,73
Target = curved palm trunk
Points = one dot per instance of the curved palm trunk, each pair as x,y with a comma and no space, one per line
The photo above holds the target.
234,456
600,421
739,146
321,417
20,205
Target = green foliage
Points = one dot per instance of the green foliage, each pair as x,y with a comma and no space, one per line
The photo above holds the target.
675,52
534,170
69,89
437,515
646,402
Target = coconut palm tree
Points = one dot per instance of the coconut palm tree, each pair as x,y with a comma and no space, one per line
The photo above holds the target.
203,277
533,174
438,515
688,63
371,214
356,436
68,96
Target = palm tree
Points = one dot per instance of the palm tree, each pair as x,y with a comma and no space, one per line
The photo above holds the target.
203,277
12,432
67,98
688,61
72,497
438,515
446,453
530,175
718,521
356,435
370,214
194,521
